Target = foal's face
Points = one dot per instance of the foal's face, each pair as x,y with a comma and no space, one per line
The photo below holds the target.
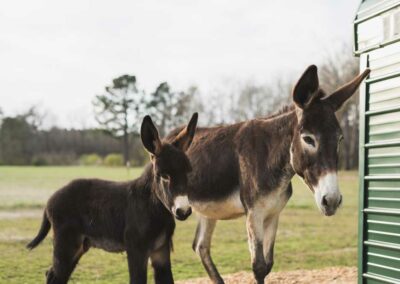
315,146
170,166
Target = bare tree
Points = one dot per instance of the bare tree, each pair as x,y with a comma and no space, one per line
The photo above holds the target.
235,101
118,111
35,116
338,69
169,108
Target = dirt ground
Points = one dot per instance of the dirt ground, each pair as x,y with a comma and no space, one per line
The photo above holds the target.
330,275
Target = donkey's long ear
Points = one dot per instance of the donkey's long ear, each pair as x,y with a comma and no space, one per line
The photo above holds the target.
150,138
185,137
337,98
306,87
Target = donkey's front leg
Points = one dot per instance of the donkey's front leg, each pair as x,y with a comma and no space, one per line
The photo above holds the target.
161,262
202,244
261,232
137,262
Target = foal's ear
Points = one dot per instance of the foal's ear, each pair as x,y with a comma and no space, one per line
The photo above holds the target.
185,137
306,87
337,98
150,138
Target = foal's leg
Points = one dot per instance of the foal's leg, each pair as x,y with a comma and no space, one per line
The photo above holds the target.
68,249
137,261
202,244
261,232
161,262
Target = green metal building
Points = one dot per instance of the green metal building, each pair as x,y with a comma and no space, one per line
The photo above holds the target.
377,42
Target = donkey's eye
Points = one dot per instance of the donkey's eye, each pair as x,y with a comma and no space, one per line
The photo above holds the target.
163,176
309,140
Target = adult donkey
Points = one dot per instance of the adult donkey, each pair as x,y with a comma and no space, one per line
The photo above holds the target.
135,216
246,168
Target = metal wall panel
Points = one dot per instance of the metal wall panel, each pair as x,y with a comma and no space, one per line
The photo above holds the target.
379,227
384,62
377,28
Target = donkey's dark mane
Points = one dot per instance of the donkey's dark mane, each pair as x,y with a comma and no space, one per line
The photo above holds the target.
145,183
284,109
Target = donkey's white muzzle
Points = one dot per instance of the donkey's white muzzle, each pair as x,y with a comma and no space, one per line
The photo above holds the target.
327,194
181,208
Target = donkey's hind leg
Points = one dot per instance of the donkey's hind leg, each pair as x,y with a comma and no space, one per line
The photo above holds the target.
202,244
68,249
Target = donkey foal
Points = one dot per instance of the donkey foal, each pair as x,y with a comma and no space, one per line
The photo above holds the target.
130,216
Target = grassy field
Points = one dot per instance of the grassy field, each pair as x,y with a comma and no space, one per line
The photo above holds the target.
305,238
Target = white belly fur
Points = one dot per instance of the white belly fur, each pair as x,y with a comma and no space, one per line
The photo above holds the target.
232,207
274,202
228,208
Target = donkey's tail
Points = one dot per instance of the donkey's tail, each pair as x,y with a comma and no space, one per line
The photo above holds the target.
44,229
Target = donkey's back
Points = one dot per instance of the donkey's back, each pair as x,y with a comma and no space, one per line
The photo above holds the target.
214,159
88,208
88,196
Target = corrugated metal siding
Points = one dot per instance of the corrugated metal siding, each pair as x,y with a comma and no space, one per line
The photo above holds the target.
368,7
384,61
380,174
376,25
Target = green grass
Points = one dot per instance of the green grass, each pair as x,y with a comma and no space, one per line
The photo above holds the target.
305,240
30,187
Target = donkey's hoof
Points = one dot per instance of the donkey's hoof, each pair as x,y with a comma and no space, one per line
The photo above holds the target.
50,277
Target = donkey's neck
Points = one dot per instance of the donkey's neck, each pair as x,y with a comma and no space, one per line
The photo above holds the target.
145,183
147,187
280,132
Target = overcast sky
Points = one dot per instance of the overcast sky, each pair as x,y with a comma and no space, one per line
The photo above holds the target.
59,54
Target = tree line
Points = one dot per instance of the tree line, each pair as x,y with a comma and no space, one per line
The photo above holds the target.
118,112
120,108
24,143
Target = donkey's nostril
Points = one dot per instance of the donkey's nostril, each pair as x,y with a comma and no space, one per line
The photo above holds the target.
182,214
324,201
330,202
340,200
